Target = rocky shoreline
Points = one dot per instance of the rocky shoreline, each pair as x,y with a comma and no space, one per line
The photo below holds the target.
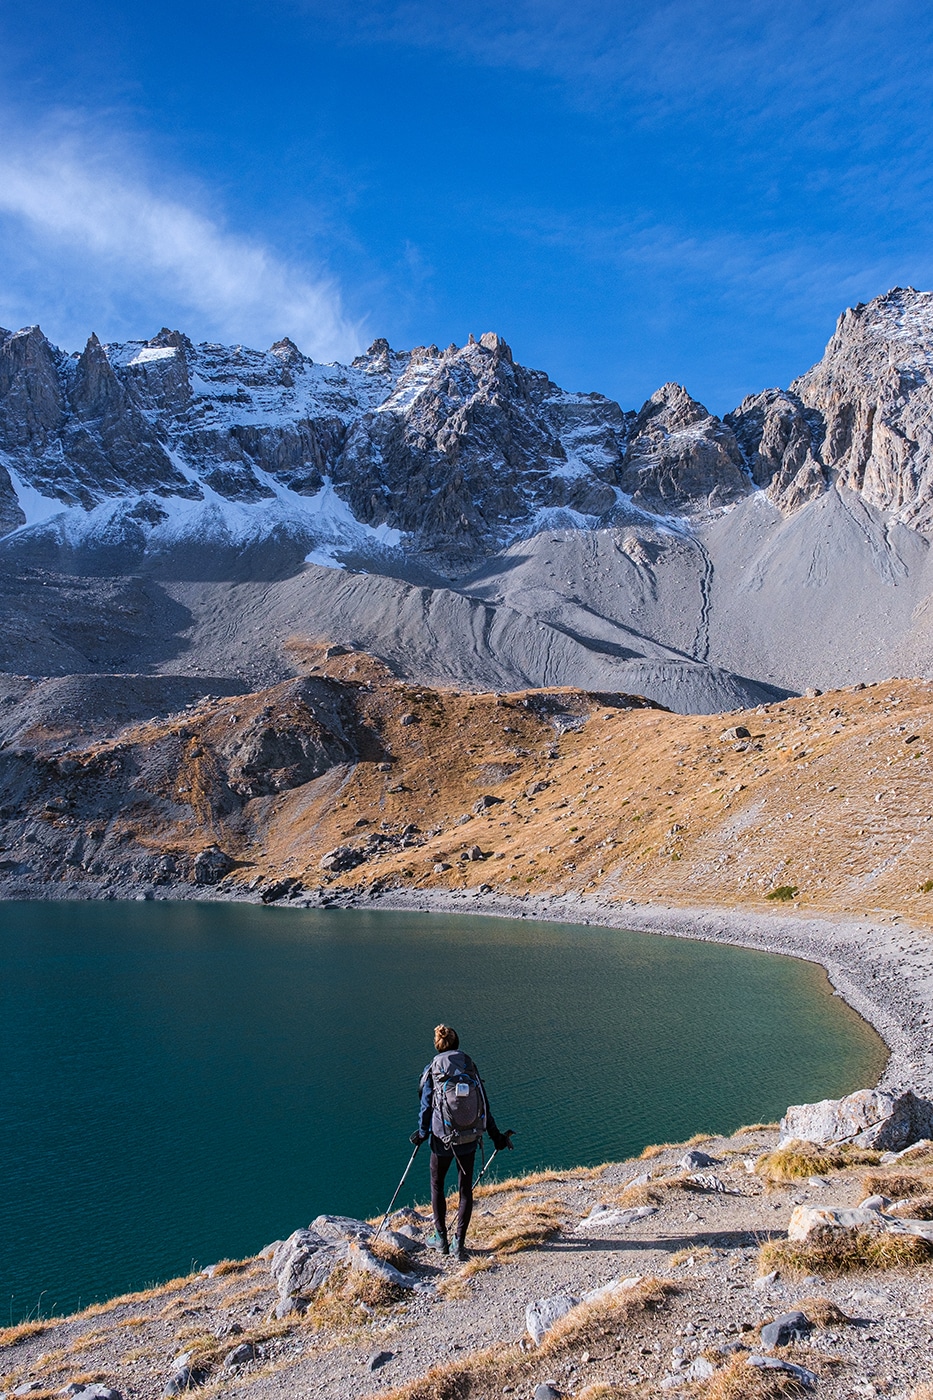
882,967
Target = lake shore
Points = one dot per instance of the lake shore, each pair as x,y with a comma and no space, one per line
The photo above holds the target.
882,967
884,972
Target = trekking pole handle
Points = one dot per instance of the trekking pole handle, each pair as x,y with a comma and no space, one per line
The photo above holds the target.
398,1189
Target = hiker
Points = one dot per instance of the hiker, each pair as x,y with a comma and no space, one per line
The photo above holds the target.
455,1113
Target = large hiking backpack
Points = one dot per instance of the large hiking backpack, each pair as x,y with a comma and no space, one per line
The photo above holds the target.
458,1113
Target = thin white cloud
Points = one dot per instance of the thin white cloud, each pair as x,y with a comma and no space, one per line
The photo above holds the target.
139,247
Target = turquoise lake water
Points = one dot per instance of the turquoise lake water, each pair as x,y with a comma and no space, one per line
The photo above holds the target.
186,1082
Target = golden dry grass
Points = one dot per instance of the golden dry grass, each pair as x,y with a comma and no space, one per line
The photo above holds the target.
654,1149
458,1285
700,1255
756,1128
525,1225
833,1252
914,1208
799,1160
474,1377
896,1184
823,1312
590,1324
232,1266
522,1183
739,1381
22,1331
145,1295
390,1254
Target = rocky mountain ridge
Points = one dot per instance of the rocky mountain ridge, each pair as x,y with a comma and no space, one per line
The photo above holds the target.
191,509
446,454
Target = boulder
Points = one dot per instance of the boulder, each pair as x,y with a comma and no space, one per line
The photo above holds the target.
304,1261
340,1227
94,1391
342,858
546,1391
693,1161
867,1118
211,865
379,1358
482,804
185,1378
808,1220
541,1315
789,1327
608,1290
365,1262
736,731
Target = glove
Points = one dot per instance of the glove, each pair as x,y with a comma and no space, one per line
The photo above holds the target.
417,1138
503,1141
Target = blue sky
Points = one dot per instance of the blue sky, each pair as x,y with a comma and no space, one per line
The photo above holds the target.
627,193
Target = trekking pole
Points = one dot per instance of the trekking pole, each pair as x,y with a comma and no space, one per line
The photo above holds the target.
491,1160
485,1169
398,1189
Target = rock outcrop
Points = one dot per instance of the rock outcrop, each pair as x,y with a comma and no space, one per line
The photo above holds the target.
867,1118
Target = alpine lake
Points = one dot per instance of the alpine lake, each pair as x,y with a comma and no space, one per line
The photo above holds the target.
187,1082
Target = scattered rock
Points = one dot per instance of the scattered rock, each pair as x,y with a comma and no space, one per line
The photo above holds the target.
867,1118
482,804
807,1378
409,719
547,1391
737,731
181,1380
541,1315
239,1356
603,1217
692,1161
474,853
789,1327
379,1358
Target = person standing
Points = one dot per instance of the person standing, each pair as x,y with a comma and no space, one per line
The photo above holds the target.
454,1114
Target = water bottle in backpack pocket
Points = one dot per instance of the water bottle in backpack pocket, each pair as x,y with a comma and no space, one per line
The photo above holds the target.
458,1114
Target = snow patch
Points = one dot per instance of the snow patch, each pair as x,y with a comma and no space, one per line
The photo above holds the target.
153,353
37,508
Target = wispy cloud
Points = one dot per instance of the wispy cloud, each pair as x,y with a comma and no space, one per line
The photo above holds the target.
139,248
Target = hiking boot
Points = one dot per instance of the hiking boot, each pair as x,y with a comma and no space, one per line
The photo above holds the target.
438,1240
460,1249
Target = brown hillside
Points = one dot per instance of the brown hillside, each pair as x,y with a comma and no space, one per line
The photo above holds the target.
828,797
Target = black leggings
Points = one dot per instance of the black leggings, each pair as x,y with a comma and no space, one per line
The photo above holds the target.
440,1165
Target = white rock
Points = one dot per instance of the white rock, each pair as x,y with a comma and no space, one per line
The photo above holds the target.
608,1290
805,1220
869,1118
541,1315
606,1218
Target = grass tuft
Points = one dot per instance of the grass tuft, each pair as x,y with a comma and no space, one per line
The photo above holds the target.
590,1324
530,1223
823,1312
739,1381
799,1160
832,1252
654,1149
470,1378
782,893
22,1331
757,1128
896,1185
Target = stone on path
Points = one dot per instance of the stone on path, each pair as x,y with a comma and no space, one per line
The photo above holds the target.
785,1329
603,1217
807,1378
379,1358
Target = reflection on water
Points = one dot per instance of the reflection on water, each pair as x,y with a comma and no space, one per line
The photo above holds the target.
187,1082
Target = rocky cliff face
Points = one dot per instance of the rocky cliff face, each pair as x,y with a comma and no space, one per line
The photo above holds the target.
874,391
447,455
